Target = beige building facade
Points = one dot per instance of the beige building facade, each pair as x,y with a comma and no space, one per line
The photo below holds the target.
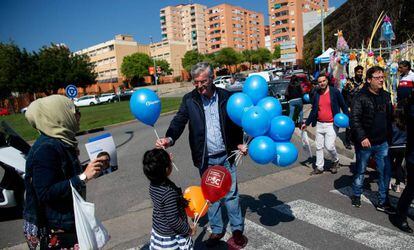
235,27
108,56
184,22
286,26
171,51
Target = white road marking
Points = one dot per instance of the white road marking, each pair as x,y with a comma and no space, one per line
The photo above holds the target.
358,230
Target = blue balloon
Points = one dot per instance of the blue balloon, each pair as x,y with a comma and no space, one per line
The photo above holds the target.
306,98
271,105
237,104
286,154
262,149
341,120
256,88
145,106
256,121
281,128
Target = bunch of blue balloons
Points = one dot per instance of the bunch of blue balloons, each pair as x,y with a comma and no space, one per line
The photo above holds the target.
261,117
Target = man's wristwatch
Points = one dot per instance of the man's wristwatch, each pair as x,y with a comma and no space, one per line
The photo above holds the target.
83,178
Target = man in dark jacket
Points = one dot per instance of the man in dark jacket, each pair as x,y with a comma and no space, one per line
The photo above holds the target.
294,96
212,138
371,126
327,102
353,85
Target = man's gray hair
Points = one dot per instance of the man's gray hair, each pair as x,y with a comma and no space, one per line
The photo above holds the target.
201,67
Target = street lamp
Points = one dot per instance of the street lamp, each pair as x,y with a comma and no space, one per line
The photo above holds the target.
155,67
322,29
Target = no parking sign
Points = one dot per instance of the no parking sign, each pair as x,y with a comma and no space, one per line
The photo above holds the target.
71,91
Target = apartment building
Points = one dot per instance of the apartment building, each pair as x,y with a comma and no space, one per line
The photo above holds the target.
286,25
313,18
184,22
108,56
235,27
171,51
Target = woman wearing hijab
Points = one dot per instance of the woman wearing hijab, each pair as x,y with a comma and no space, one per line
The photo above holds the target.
51,165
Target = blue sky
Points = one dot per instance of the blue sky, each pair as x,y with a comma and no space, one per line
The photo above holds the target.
82,23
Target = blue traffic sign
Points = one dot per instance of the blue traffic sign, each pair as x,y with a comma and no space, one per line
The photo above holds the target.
71,91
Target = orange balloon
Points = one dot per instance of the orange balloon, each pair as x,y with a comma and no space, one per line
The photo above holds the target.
196,202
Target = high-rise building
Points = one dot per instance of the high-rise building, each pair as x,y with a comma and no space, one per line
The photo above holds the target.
107,57
286,26
235,27
313,18
171,51
184,22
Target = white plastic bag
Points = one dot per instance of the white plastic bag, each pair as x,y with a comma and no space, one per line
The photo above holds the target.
305,144
90,231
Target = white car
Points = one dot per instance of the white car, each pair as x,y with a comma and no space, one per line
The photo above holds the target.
265,74
87,100
108,97
222,81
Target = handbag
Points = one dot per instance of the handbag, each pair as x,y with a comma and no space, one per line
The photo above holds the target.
90,231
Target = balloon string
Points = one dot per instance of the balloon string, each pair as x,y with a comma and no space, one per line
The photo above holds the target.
196,219
156,134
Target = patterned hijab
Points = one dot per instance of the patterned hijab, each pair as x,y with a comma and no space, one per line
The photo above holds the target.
54,116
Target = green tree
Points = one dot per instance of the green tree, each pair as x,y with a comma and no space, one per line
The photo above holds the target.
228,57
247,57
276,52
191,58
58,68
165,66
9,68
261,56
136,66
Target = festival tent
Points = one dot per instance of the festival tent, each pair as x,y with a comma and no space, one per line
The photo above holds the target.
324,57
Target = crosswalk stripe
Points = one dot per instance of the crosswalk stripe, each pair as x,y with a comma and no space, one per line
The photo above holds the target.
369,196
361,231
261,238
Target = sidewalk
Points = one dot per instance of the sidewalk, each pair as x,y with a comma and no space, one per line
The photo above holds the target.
339,144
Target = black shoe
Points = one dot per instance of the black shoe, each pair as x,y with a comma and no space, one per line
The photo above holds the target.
335,166
386,208
401,224
316,172
239,239
214,239
356,201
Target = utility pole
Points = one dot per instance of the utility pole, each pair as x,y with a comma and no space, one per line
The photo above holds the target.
322,29
155,67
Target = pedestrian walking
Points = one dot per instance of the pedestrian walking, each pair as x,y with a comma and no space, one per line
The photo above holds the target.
294,95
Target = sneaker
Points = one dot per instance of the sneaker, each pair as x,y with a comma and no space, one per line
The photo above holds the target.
316,172
335,166
400,223
214,239
356,201
386,208
239,239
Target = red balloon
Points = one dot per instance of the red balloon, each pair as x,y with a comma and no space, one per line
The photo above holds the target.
215,183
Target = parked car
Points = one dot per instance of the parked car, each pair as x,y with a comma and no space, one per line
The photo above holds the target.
222,81
108,97
4,111
13,151
87,100
265,74
277,89
126,95
237,86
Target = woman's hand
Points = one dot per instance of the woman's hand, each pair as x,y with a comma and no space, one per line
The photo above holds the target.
94,168
242,148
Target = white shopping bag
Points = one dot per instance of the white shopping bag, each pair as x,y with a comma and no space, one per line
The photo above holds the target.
305,144
90,231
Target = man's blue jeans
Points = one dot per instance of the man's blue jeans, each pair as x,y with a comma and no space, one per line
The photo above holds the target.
380,154
231,201
293,104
